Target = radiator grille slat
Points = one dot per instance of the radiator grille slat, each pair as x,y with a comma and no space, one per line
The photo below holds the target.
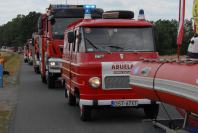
117,82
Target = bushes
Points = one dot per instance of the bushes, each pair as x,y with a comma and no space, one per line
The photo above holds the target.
166,36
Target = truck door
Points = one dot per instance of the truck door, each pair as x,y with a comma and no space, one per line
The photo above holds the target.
72,61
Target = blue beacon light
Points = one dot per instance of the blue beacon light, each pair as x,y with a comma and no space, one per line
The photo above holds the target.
88,10
141,15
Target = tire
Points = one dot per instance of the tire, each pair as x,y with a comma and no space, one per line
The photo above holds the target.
30,63
43,78
50,82
66,96
85,113
71,99
151,111
36,69
77,96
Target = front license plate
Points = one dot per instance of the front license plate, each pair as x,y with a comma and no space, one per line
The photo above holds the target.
124,103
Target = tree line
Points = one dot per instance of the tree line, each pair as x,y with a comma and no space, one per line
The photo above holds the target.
17,31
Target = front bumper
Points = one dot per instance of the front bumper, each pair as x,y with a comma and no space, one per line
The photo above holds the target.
55,70
140,102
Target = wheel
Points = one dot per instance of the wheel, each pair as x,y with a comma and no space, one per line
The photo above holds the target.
50,81
85,113
36,69
30,63
66,96
43,78
71,99
151,111
77,96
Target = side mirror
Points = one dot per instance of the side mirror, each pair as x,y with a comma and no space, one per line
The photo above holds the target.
71,37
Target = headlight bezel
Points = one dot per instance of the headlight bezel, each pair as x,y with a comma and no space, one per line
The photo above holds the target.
95,82
52,64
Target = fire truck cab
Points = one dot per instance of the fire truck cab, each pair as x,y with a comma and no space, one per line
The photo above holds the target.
98,57
51,31
28,52
35,52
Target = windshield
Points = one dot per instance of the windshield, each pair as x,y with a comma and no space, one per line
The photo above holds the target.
119,39
60,25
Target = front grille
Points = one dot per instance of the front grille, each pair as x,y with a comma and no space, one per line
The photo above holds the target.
117,82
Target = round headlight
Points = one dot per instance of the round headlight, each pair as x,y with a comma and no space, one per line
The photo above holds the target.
95,82
52,63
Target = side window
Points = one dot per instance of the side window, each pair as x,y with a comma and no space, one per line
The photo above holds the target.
78,39
74,44
70,46
81,43
65,43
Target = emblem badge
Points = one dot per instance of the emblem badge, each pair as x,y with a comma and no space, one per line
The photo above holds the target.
145,71
136,70
122,56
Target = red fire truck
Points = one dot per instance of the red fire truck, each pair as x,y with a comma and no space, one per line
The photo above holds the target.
51,30
28,52
35,52
98,57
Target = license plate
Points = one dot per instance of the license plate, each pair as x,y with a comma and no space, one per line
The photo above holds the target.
124,103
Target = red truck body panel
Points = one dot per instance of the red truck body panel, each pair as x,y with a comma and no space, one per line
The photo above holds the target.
78,68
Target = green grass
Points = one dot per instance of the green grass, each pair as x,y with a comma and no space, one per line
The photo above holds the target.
4,119
12,65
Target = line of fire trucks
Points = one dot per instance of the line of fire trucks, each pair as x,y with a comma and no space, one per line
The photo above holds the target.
91,54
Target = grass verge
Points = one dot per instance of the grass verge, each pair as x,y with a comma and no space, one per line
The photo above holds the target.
4,119
12,65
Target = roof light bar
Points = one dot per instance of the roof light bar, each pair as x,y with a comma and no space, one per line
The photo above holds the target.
88,10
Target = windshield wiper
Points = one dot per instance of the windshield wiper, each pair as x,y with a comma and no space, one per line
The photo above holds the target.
117,47
130,50
97,47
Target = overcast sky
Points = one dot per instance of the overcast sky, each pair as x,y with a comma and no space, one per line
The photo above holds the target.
154,9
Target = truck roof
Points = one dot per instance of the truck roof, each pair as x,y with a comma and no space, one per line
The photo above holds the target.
109,23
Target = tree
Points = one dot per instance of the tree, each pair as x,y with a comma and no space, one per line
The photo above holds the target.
166,36
17,31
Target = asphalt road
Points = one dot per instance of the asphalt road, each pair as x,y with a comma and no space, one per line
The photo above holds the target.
40,110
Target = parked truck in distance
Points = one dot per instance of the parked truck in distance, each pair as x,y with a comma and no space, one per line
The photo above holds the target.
35,53
28,52
25,53
51,26
98,56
